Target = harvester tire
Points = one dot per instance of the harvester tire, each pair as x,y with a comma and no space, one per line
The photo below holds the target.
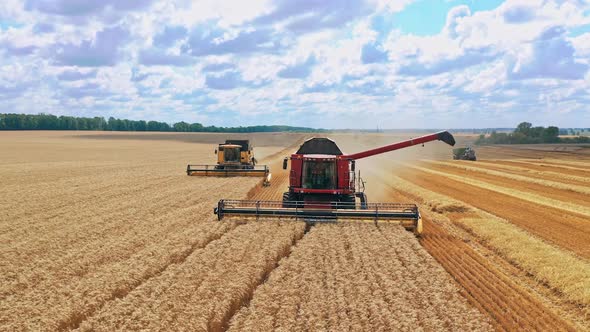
289,197
349,201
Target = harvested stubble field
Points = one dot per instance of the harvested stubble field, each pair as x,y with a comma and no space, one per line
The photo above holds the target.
106,232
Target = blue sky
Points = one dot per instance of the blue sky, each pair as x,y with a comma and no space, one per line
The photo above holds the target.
318,63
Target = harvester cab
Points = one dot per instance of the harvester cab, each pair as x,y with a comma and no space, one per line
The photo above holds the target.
228,154
234,158
323,188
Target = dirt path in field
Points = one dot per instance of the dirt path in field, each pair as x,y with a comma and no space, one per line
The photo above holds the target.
564,229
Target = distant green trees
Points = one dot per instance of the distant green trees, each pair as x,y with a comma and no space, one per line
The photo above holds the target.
525,133
52,122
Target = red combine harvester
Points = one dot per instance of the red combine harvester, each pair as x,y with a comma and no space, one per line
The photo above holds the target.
323,187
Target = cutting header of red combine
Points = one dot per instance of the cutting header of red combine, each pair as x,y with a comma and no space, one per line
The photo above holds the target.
323,187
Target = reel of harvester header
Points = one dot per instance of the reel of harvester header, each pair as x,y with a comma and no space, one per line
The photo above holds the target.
323,187
234,158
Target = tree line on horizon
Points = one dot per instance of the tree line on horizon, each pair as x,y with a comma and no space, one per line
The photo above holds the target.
10,121
525,133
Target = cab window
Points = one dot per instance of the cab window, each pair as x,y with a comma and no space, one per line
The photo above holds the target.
319,174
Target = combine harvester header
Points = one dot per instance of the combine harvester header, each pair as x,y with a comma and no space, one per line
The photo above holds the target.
323,187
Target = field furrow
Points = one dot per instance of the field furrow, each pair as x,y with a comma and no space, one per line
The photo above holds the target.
580,162
531,151
560,270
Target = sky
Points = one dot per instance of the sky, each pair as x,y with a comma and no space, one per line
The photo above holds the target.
316,63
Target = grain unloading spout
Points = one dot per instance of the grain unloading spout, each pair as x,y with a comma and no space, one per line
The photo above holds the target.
446,137
443,136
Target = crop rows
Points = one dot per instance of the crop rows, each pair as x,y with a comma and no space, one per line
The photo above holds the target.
543,175
121,239
501,177
99,228
562,271
565,229
537,198
543,166
580,165
203,292
511,307
73,272
529,153
358,277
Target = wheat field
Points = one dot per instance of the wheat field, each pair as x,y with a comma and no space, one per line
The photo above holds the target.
106,232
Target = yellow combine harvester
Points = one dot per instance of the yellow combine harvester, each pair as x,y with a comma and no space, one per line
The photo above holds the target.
234,158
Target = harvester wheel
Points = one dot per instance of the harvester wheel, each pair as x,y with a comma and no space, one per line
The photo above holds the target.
289,199
349,202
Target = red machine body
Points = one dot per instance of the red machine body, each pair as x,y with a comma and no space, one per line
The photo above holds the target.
320,172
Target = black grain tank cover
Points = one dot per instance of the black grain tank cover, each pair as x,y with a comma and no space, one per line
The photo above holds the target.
319,145
242,142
